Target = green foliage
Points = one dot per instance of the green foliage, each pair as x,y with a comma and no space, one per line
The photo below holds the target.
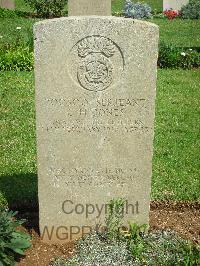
114,217
191,253
135,247
176,142
12,14
22,6
135,240
18,162
17,31
176,157
156,5
48,8
19,59
20,56
114,225
137,10
167,248
191,10
12,241
179,32
3,202
6,13
154,249
171,56
95,250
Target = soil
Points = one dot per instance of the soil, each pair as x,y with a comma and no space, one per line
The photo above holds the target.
182,217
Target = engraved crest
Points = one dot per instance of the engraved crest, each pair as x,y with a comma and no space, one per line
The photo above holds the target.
95,72
94,56
95,69
95,44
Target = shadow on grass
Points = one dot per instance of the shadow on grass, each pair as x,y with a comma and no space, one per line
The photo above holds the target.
31,223
20,191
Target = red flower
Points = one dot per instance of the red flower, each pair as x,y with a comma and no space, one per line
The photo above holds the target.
171,14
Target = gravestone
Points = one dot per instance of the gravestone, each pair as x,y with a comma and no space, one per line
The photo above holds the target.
174,4
95,79
9,4
89,7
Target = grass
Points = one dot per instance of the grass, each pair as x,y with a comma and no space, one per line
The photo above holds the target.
18,152
176,155
183,33
9,33
117,5
176,164
180,32
20,5
156,5
176,160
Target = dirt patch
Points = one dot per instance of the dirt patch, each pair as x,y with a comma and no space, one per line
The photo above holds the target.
41,254
182,217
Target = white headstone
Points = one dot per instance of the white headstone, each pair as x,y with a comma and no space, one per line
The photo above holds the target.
9,4
89,7
95,107
174,4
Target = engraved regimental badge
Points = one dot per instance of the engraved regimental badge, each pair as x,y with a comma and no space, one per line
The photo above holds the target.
95,57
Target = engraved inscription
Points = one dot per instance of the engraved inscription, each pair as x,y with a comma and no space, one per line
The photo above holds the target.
97,177
94,57
103,115
120,126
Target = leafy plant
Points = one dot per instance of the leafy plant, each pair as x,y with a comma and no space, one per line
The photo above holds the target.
135,239
191,253
18,59
94,250
12,241
159,15
137,10
114,217
171,56
191,10
18,56
24,39
3,202
48,8
7,13
134,247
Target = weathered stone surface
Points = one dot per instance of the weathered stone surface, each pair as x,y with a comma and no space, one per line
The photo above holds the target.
9,4
174,4
95,101
89,7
